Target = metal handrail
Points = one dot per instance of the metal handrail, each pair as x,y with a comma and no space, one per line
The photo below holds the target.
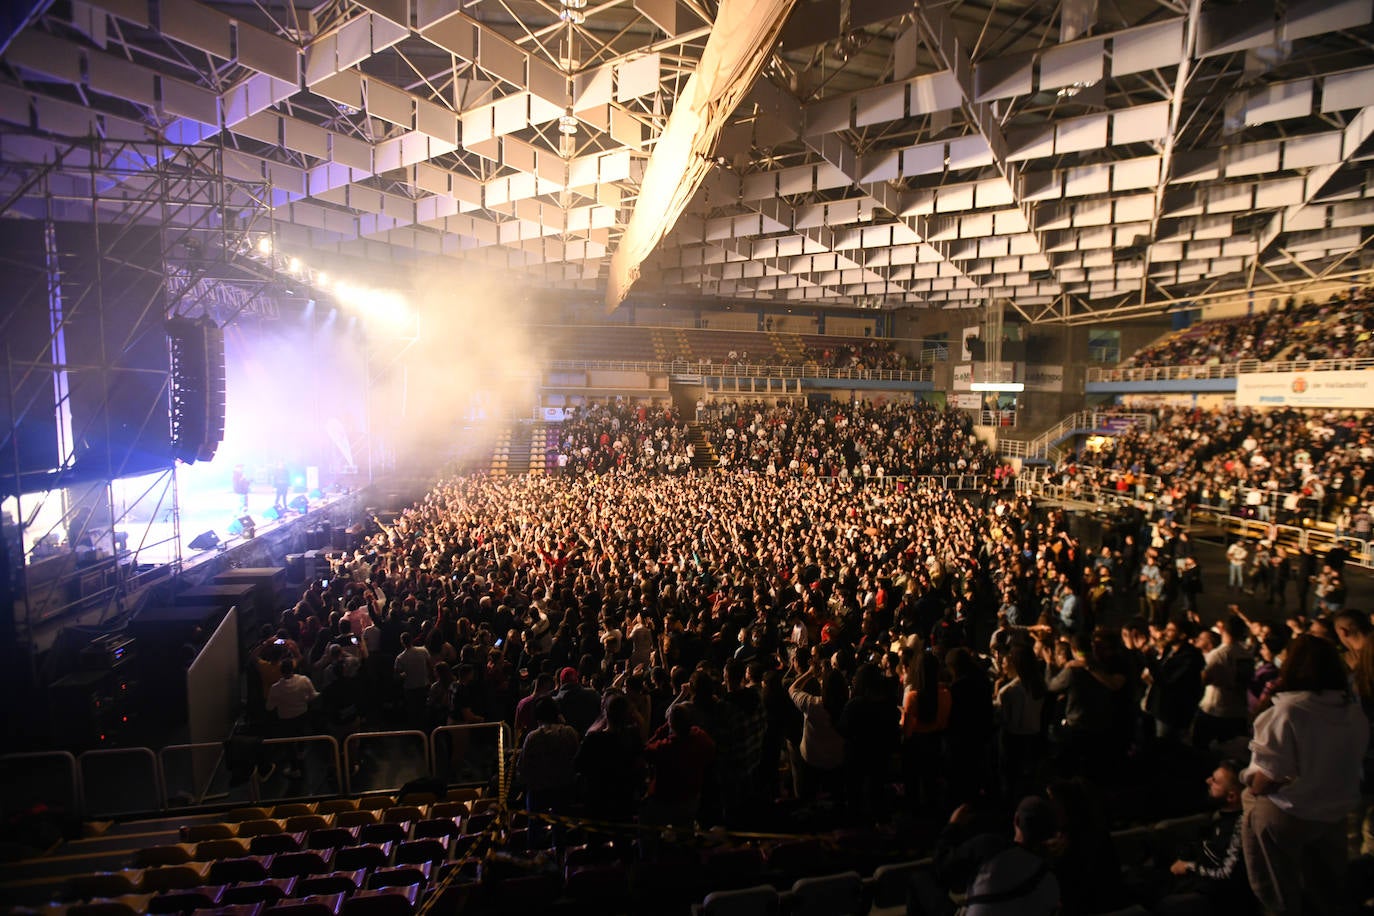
717,370
358,736
219,746
1039,447
502,728
78,801
158,786
1225,370
1361,552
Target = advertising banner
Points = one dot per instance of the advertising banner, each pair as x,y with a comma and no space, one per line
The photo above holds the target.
1348,388
1043,378
968,401
963,377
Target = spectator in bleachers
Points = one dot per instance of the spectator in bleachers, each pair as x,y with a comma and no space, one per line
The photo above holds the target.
1340,328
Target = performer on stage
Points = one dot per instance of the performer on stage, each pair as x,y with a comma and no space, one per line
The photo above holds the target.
281,481
242,484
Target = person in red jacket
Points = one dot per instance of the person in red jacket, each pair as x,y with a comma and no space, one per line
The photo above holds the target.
681,756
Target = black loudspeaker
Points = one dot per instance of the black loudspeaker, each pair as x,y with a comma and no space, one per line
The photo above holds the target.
197,349
300,504
205,541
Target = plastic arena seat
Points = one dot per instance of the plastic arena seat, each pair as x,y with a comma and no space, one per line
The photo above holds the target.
448,809
369,856
176,854
331,838
299,864
336,806
383,833
304,823
239,815
174,877
402,814
250,829
245,868
436,827
890,883
761,900
404,876
355,818
195,833
416,852
209,850
184,901
390,901
293,809
829,895
336,882
313,905
274,843
268,892
126,905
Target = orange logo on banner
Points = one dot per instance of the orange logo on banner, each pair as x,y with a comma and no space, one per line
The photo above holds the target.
1299,385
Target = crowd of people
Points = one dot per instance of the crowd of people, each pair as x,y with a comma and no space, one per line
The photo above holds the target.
704,649
1340,328
849,441
869,354
1274,465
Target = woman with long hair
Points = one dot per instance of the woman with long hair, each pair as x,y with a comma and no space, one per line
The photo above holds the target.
1303,781
1356,634
925,716
1020,714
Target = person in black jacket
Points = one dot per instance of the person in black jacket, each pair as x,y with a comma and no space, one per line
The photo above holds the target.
1175,679
996,874
871,728
1214,868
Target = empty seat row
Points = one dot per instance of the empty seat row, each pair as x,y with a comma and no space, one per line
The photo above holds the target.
305,823
384,901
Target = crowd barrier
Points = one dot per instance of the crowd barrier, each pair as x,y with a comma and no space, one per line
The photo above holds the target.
110,782
1225,370
740,370
1297,537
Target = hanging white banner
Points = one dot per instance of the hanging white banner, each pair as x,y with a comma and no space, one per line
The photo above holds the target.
1349,388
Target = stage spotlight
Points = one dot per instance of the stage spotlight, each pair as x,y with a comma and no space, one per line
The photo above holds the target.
294,265
265,245
243,526
206,540
322,280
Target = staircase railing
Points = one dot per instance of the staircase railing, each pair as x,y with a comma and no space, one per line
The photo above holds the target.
1041,447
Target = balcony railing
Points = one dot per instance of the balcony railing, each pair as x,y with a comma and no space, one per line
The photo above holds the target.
1225,370
717,370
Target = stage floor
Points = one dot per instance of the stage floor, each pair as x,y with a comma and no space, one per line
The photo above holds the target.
210,511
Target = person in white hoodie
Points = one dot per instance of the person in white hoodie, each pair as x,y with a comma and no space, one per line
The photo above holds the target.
1302,782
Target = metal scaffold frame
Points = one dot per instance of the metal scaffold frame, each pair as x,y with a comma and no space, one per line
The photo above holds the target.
147,209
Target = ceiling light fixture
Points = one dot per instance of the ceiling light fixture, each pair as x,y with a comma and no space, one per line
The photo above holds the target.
572,11
567,124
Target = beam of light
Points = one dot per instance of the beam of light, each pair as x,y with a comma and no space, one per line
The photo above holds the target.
741,41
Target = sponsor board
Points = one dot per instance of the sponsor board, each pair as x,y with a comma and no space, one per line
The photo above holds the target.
968,401
1349,388
1043,378
963,377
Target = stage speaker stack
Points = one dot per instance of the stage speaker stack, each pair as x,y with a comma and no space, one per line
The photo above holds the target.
197,348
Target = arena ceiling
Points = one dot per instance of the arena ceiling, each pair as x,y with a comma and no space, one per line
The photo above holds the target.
1085,156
